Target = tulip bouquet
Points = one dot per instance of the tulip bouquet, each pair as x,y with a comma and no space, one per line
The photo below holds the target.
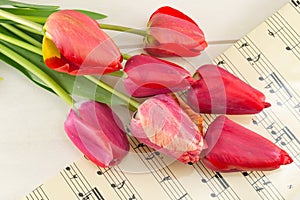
67,52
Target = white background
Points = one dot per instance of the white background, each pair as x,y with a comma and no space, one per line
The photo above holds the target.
33,144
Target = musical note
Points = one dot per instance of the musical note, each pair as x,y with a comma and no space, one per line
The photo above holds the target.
132,197
246,173
92,193
244,45
167,178
263,118
273,132
271,126
281,103
222,62
280,85
266,182
139,145
258,189
214,195
222,180
296,3
207,180
119,185
291,48
255,59
290,135
100,172
271,33
269,85
73,176
150,156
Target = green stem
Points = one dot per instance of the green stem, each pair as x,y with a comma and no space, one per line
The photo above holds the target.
21,34
38,72
123,29
21,20
28,29
20,43
126,56
38,27
107,87
38,51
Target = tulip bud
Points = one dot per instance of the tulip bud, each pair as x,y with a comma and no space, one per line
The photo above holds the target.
75,44
172,33
161,124
148,76
220,92
232,147
98,133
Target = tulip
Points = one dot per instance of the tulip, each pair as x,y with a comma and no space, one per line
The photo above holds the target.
220,92
98,133
172,33
161,124
75,44
148,76
232,147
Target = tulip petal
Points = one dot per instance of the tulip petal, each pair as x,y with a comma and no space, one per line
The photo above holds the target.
147,76
172,12
172,33
232,147
98,133
142,91
161,124
84,48
220,92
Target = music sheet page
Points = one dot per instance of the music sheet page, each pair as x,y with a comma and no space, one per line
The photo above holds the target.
268,58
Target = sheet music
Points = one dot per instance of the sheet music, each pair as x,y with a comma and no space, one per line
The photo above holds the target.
268,58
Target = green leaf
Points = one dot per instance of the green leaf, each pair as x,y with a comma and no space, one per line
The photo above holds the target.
94,15
29,12
40,16
5,2
74,85
24,71
27,5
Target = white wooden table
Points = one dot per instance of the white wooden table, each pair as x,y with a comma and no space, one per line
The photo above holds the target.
33,144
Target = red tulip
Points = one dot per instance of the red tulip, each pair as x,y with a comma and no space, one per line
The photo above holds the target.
148,76
218,91
161,124
232,147
172,33
98,133
75,44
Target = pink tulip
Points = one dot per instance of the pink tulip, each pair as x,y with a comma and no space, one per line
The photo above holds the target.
75,44
172,33
98,133
148,76
232,147
220,92
161,124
